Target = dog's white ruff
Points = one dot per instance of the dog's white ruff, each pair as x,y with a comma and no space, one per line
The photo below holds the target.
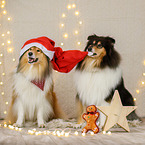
31,103
94,87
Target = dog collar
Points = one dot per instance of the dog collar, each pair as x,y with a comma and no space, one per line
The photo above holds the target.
39,84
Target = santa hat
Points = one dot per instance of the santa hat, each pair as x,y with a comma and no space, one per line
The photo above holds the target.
43,43
62,61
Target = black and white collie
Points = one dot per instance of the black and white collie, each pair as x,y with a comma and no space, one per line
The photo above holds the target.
99,75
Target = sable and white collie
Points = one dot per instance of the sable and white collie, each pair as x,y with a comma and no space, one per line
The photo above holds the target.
33,97
98,76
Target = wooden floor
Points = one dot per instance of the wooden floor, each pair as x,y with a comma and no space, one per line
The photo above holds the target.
118,136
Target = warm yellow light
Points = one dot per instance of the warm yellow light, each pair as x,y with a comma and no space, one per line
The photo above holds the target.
65,35
3,35
3,2
137,91
79,43
8,32
80,22
0,62
5,125
4,12
66,134
63,15
9,42
104,132
144,62
76,13
3,44
73,5
2,6
6,103
76,133
1,54
76,32
83,134
92,133
143,74
61,43
14,59
62,25
2,93
1,83
134,99
9,18
3,74
5,112
9,50
109,132
142,82
69,6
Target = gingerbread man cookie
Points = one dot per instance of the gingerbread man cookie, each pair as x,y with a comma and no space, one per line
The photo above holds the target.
91,117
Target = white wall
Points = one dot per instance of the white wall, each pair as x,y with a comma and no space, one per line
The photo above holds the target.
124,20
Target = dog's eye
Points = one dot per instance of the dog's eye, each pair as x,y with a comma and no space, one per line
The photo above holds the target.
99,46
38,51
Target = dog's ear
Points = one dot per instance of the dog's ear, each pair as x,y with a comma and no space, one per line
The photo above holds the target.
92,37
112,40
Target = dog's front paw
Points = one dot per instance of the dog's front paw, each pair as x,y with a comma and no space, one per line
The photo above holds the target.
41,125
17,125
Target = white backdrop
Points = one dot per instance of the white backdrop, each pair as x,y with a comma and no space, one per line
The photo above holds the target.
123,20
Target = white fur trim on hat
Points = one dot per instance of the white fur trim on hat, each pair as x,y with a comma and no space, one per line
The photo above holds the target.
50,54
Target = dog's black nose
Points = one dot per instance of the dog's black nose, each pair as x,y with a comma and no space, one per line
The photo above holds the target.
90,48
30,53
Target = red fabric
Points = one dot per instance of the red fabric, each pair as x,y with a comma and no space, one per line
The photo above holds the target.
46,42
65,61
39,84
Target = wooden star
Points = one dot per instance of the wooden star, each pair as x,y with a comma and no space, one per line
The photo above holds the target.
116,113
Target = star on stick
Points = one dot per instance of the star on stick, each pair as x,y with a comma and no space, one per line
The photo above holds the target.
116,113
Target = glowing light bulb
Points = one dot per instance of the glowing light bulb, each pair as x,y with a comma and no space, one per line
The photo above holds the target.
36,133
79,43
5,125
109,132
83,134
92,133
142,82
2,93
69,7
14,59
6,103
8,32
3,74
9,18
66,134
1,54
76,133
2,6
73,5
3,44
0,62
63,15
1,83
65,35
3,35
3,2
5,112
76,32
10,50
9,42
137,91
143,74
76,13
134,99
80,22
4,12
104,132
61,43
62,25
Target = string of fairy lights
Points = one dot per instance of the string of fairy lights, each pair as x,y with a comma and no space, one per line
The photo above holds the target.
5,47
6,44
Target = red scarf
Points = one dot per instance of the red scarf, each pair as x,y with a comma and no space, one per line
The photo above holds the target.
39,84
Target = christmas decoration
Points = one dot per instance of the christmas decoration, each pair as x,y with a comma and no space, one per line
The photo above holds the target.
91,117
116,113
